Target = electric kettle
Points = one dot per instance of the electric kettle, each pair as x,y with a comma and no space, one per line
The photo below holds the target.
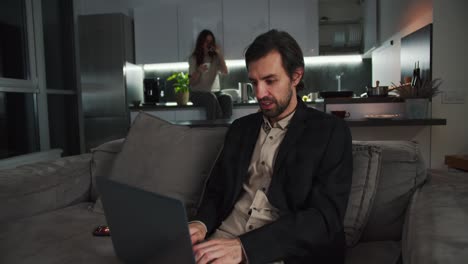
246,92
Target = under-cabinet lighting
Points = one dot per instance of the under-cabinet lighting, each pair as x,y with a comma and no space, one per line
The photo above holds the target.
183,66
170,66
333,59
235,63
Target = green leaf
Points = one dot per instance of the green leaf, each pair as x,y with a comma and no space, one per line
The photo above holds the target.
180,81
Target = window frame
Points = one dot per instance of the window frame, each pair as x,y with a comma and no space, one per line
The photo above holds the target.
35,69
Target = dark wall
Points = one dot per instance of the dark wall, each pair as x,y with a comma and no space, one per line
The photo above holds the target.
416,49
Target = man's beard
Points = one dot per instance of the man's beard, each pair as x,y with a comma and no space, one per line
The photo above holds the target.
281,105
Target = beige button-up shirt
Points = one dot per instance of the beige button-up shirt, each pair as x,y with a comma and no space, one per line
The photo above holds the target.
253,210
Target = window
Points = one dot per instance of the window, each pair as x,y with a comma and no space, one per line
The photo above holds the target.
63,128
18,127
37,66
58,30
13,41
19,132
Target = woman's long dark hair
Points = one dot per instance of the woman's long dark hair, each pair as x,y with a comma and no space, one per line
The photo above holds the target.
198,52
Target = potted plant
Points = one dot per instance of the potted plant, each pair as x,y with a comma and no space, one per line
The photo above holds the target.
417,98
181,87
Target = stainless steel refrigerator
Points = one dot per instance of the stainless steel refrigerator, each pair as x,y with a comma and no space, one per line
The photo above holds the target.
109,80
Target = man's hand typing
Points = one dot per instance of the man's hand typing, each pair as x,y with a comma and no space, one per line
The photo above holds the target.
197,232
219,251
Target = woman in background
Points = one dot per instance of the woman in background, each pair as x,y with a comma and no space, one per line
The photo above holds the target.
205,63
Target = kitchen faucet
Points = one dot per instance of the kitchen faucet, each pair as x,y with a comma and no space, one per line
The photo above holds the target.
338,78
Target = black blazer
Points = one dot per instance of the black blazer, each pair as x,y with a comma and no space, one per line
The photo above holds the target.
310,186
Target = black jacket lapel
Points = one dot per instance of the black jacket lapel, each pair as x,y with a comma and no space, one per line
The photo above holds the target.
250,136
295,130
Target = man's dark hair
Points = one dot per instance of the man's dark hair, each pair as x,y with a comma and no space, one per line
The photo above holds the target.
285,44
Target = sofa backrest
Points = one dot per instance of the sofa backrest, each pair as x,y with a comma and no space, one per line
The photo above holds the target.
43,186
402,172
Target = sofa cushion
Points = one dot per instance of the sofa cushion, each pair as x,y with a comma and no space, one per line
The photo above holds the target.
436,229
366,170
60,236
168,159
102,161
43,186
402,172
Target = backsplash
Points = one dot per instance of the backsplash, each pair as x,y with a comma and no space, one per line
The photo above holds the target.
318,76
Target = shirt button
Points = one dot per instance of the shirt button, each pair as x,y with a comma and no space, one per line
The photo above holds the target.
251,227
271,137
263,163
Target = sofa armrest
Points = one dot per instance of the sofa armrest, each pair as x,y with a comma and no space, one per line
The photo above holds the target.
43,186
436,228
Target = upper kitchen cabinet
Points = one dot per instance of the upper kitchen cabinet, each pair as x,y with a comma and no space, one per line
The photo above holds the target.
156,37
340,27
300,19
369,10
193,17
243,21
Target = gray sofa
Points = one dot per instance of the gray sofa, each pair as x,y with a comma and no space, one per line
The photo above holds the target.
399,213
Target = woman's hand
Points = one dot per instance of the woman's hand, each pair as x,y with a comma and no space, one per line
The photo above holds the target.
203,67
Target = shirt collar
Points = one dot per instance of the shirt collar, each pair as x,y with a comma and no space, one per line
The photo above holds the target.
281,124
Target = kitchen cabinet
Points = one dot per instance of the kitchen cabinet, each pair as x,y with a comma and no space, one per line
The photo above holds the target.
193,17
370,25
300,20
167,32
156,33
243,20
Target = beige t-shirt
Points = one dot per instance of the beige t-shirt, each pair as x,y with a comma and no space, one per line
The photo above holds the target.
209,80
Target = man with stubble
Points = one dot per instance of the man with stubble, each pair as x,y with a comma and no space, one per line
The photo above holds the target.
279,189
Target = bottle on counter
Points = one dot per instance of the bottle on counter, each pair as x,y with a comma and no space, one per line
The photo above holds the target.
148,91
156,88
160,91
416,80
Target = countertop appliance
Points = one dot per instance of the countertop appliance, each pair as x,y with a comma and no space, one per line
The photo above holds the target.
336,94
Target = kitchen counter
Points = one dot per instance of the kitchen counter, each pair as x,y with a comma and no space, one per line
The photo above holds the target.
173,105
396,122
363,100
182,114
167,105
350,122
319,102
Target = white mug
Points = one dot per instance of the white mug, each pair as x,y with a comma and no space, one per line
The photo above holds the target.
207,65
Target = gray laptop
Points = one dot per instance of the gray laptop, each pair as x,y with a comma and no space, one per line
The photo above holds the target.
145,227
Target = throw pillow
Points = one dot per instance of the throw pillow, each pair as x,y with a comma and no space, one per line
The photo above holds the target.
168,159
101,163
366,170
403,172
